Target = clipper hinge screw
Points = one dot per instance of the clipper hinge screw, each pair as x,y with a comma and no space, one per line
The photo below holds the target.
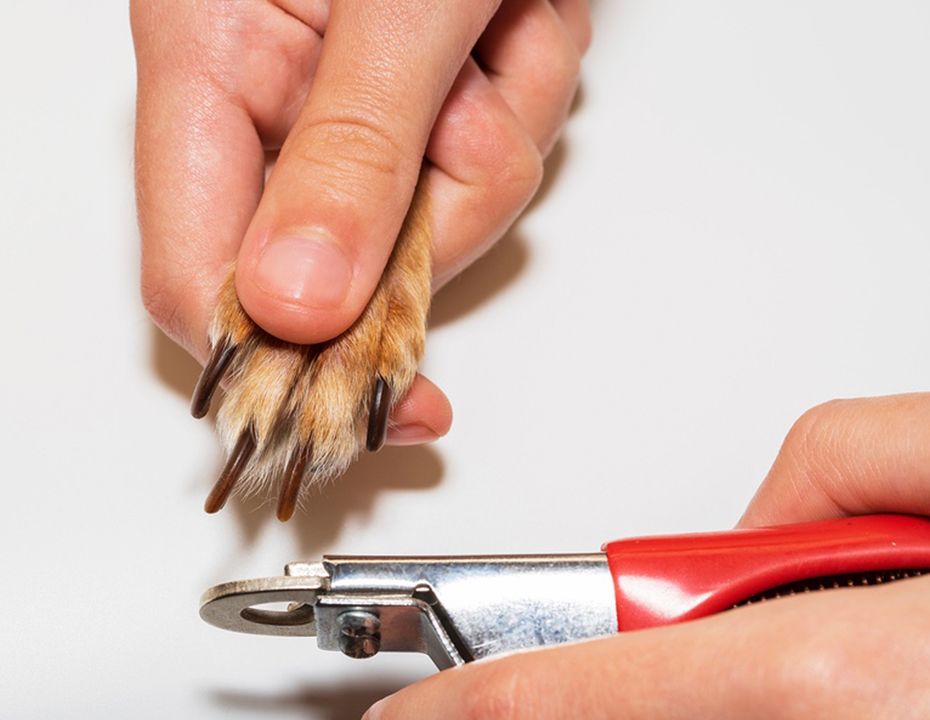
359,633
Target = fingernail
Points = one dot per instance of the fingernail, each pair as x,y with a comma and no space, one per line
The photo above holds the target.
415,434
311,271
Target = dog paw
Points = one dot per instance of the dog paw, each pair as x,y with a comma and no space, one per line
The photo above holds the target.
296,415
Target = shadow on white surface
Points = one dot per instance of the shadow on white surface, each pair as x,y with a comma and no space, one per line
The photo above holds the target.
478,284
318,526
353,495
414,468
171,364
506,261
347,701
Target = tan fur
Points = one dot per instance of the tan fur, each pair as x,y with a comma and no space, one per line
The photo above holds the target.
229,319
292,396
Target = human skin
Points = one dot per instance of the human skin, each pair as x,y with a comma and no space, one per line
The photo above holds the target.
479,88
852,653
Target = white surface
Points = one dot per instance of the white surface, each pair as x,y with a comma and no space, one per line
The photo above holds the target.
738,229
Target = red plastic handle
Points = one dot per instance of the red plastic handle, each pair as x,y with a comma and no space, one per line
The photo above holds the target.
663,580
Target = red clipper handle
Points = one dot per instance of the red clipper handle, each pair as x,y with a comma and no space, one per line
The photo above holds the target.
667,579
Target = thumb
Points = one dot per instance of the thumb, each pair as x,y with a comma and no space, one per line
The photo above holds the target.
722,667
841,653
334,204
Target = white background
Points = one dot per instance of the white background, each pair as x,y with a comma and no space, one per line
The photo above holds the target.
735,228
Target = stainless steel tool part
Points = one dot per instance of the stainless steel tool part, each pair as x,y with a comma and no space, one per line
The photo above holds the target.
454,609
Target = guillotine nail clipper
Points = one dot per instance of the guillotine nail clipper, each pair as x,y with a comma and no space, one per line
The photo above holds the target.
459,609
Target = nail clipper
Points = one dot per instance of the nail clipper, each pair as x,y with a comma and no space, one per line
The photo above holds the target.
462,608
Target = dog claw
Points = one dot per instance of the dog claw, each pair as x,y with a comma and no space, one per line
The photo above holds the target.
210,378
293,478
378,415
238,459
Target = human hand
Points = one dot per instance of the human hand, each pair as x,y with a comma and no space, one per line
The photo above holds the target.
856,653
481,91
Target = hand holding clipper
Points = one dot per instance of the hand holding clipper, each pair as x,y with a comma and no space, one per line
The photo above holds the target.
459,609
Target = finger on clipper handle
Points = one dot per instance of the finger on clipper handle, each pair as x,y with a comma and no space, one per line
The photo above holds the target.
235,465
849,457
660,673
291,484
378,415
220,358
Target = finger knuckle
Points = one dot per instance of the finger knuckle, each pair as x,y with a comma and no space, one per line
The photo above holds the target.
504,163
349,146
522,170
576,20
814,441
816,428
557,71
513,164
584,32
164,301
157,301
566,67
